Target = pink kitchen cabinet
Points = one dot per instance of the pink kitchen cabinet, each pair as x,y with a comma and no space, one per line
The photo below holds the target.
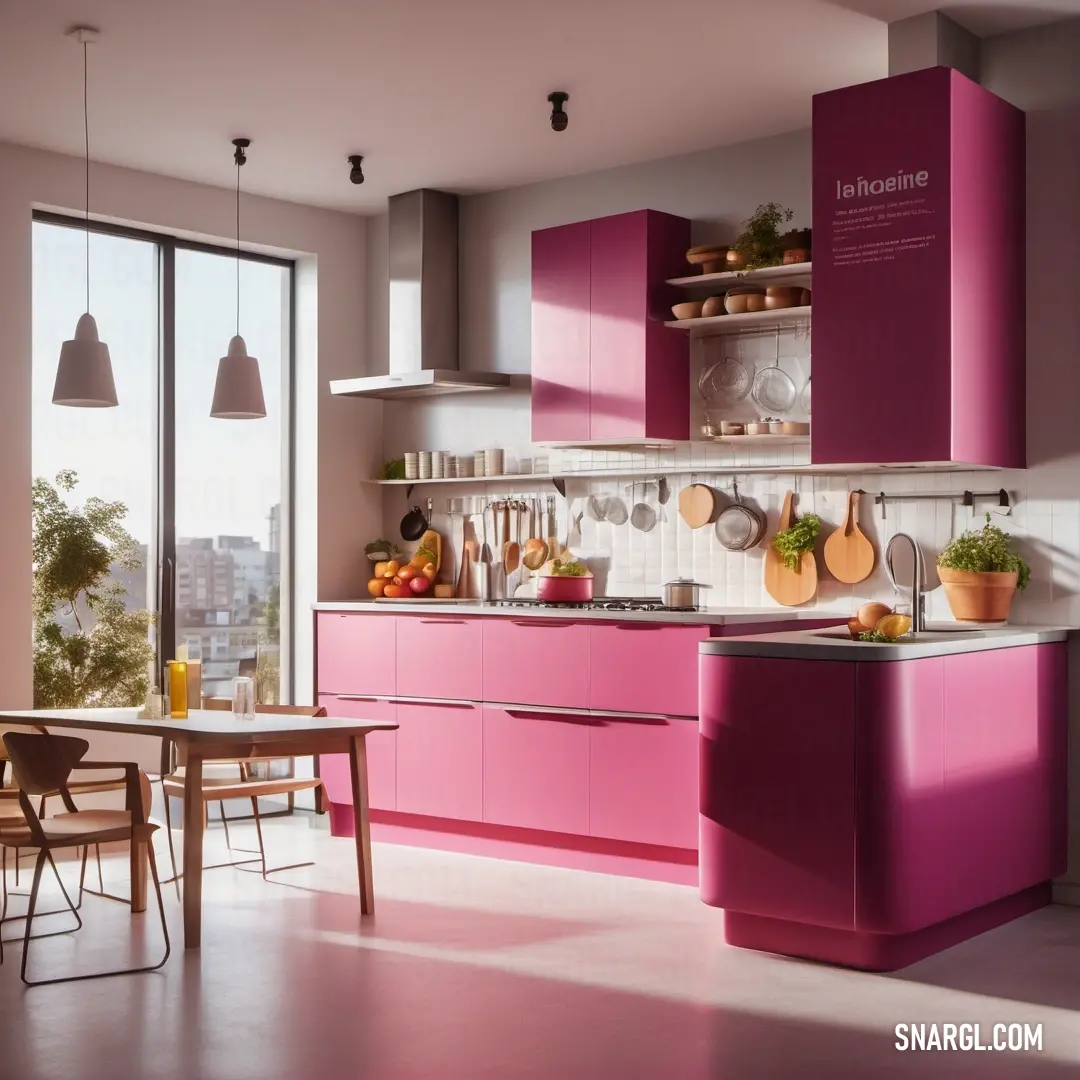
604,367
536,769
919,273
356,653
381,754
440,656
643,780
537,662
560,333
645,667
440,754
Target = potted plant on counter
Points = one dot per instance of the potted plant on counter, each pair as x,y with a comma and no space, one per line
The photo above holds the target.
981,574
759,244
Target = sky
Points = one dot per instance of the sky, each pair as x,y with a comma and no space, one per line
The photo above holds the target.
228,472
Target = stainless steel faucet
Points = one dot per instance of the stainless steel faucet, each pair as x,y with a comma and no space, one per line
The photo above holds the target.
918,582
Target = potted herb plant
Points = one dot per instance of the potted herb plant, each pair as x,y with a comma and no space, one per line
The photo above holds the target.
759,245
982,573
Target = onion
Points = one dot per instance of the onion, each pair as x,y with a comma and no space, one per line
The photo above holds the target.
871,614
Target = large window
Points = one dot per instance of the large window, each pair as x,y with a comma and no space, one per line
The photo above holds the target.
156,525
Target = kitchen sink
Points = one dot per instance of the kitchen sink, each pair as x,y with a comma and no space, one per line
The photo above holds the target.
923,636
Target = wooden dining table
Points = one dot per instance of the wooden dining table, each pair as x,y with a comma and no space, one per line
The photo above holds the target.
208,735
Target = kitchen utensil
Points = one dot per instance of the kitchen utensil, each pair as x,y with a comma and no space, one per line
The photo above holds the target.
776,427
552,529
782,296
755,302
804,397
806,298
773,389
615,511
595,508
738,303
478,463
849,554
731,427
663,494
795,427
688,309
643,516
486,558
683,593
414,524
573,533
789,587
535,553
560,485
411,466
712,307
705,253
757,427
726,381
740,525
424,464
512,548
564,590
697,505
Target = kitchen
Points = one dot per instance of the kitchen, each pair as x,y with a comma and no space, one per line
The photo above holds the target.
686,736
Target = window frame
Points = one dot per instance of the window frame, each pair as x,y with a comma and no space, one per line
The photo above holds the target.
165,582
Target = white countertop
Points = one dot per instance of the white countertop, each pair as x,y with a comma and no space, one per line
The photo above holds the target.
703,617
836,643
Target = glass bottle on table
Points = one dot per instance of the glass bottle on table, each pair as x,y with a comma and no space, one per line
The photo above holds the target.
178,689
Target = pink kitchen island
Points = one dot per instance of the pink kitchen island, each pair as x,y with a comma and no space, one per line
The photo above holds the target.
869,804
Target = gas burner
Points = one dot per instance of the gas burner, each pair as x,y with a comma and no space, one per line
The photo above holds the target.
600,603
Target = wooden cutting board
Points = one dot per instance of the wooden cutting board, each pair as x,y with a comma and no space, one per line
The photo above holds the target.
697,505
849,554
789,587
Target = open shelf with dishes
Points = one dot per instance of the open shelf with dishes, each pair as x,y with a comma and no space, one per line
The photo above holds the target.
791,274
752,320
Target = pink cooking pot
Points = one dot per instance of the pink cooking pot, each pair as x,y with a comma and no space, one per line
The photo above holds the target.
564,590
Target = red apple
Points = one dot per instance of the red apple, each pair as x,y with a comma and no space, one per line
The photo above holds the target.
419,584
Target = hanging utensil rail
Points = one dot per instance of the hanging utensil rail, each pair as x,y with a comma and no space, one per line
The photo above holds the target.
964,498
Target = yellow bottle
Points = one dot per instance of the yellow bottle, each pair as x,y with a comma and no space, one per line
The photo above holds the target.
178,689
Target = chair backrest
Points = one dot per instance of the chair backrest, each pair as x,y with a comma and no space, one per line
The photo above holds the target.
43,763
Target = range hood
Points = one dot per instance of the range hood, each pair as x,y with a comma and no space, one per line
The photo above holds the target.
423,305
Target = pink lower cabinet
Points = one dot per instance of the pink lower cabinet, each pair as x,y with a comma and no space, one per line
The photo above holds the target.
536,662
356,653
439,656
440,754
645,667
536,769
643,780
381,754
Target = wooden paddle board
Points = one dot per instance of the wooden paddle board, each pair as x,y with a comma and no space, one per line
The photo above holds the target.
789,587
697,505
849,554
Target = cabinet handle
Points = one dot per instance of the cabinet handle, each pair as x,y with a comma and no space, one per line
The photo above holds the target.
553,623
450,703
639,718
446,622
359,697
567,716
642,626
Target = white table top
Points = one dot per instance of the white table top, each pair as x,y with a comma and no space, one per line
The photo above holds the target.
202,725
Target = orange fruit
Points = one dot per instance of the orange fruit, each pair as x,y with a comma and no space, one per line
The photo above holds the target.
381,568
420,561
396,592
894,626
430,571
407,572
377,586
392,567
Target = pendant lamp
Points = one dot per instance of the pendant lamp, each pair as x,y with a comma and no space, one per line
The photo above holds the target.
84,376
238,392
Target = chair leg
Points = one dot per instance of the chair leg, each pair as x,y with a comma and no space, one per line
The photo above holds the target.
265,870
172,850
97,853
225,826
39,865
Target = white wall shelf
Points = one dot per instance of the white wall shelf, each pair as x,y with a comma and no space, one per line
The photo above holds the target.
751,320
792,274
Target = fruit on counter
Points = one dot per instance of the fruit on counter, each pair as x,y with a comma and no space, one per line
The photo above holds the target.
893,626
406,573
871,614
856,628
419,585
429,549
377,586
430,571
444,592
392,567
395,592
380,568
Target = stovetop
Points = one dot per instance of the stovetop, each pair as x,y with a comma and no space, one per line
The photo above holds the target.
599,603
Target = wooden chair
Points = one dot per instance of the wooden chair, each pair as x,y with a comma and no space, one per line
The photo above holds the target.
247,786
44,763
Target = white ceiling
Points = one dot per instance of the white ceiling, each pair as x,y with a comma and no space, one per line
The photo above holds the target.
435,93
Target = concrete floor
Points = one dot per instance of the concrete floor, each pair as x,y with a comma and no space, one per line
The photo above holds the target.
478,968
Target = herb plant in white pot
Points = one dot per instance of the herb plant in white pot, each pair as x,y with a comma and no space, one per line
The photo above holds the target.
981,574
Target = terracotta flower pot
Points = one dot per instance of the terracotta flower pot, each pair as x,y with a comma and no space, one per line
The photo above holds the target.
978,597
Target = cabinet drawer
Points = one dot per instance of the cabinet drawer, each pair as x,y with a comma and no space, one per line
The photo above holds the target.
537,662
356,654
643,781
439,656
536,770
645,668
440,754
381,754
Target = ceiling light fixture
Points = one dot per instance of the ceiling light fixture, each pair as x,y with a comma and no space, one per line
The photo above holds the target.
84,376
356,173
238,392
559,119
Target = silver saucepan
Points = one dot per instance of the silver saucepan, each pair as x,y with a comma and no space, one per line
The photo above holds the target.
683,593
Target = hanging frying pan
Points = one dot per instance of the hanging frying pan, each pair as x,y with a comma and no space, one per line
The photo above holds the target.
413,524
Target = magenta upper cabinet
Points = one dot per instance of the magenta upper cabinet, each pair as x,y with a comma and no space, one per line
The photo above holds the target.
629,378
919,269
560,333
440,754
439,656
537,662
381,747
644,668
356,654
643,781
536,770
